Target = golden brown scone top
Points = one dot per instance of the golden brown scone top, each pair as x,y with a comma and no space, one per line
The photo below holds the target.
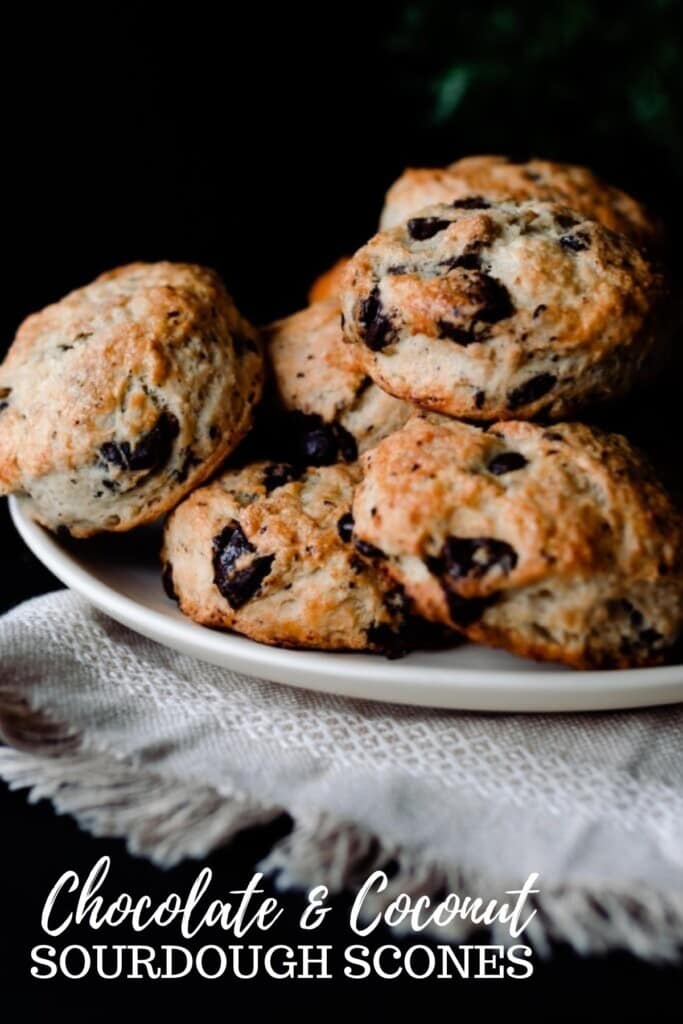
147,356
498,177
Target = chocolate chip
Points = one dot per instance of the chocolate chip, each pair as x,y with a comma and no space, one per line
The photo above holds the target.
305,439
492,303
531,390
190,460
422,228
345,527
152,451
566,220
479,399
460,335
278,474
378,330
397,268
325,442
471,203
154,448
116,453
576,242
468,261
539,309
5,392
228,546
167,581
496,301
369,550
237,587
473,557
3,406
506,462
363,386
241,587
387,640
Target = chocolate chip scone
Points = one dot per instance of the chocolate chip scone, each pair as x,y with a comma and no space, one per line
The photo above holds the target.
123,396
499,177
556,543
318,376
266,551
504,310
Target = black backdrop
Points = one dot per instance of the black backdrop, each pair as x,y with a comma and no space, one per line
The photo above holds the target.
261,143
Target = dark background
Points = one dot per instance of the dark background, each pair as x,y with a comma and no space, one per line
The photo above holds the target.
261,144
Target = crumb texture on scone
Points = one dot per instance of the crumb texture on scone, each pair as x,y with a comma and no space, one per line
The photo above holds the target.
124,395
502,310
551,542
499,177
317,374
266,551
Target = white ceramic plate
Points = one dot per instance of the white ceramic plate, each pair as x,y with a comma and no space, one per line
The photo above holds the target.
120,575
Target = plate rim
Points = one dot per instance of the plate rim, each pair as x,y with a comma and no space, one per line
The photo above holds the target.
348,674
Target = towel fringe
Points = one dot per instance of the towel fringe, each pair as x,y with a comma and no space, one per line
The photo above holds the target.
168,820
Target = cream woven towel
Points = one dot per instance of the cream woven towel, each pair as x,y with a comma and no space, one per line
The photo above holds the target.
177,756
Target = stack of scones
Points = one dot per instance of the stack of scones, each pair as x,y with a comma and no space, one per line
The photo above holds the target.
420,471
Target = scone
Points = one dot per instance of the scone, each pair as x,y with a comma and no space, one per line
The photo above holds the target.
503,310
499,177
266,551
556,543
125,395
316,374
326,286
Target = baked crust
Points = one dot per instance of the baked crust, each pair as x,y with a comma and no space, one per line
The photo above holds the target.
553,543
504,310
265,551
315,373
126,394
499,177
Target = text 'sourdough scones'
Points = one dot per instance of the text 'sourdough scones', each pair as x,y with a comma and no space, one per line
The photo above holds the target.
503,310
125,395
552,542
266,551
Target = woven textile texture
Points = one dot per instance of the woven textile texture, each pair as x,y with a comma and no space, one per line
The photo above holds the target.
178,756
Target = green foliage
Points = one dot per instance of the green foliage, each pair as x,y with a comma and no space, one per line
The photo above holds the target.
549,76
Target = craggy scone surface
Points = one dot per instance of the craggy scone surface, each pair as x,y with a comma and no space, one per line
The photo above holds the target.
503,310
499,177
555,543
266,551
316,373
122,397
